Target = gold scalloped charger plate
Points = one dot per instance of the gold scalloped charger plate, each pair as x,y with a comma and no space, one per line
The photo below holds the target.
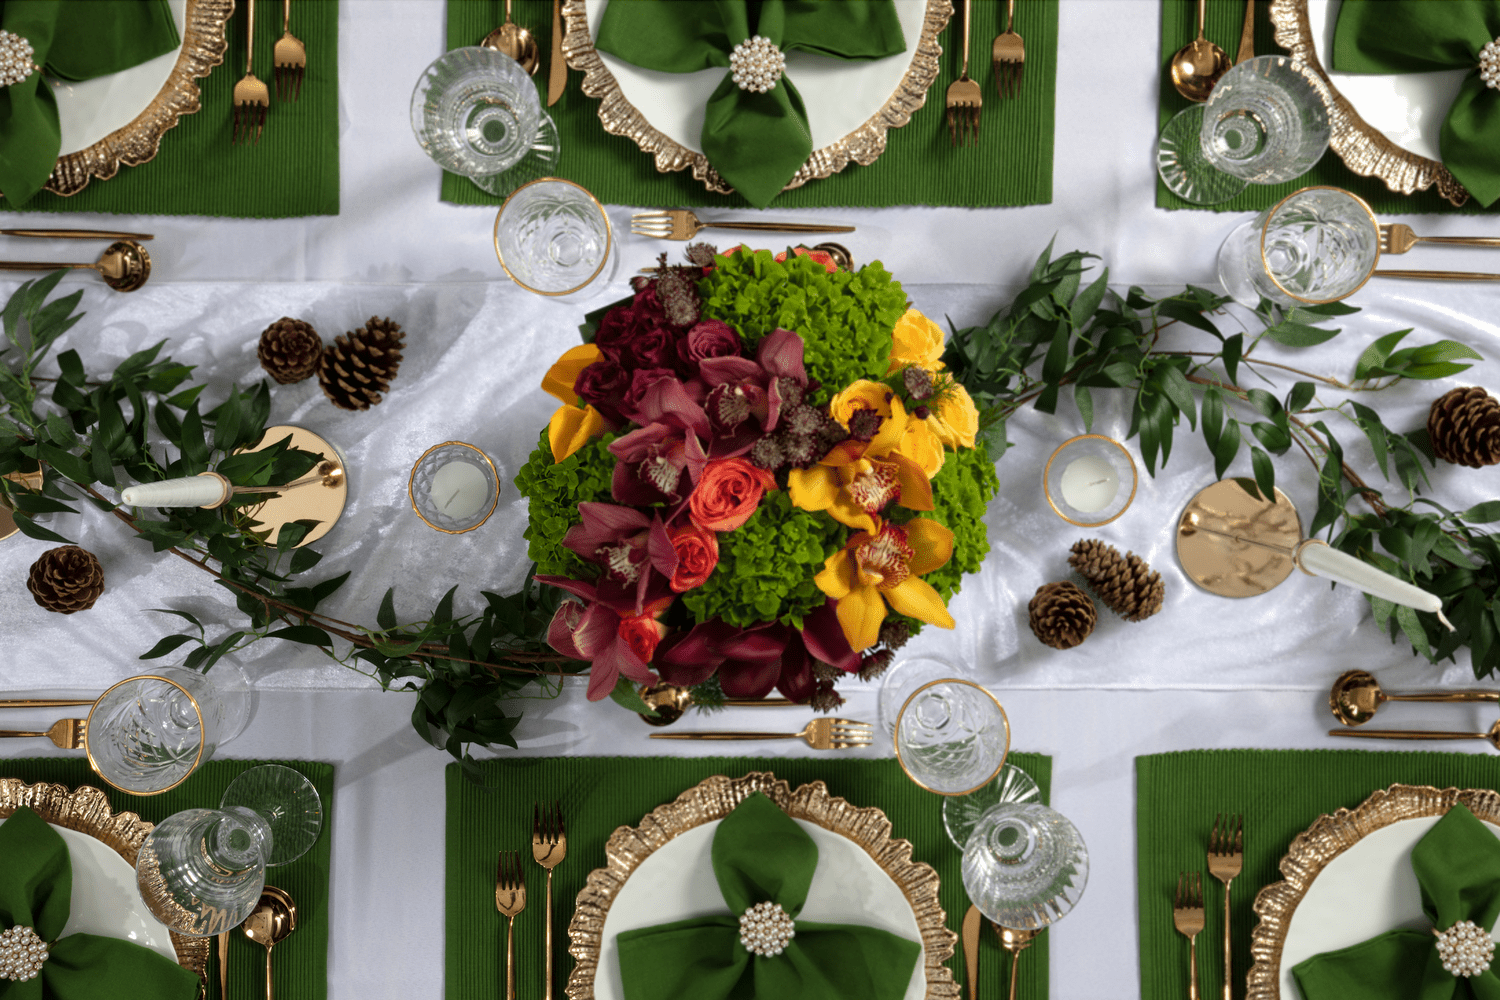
660,871
103,845
1393,134
850,105
1347,878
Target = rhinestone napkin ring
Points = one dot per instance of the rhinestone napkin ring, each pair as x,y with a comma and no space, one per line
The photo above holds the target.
21,954
16,62
1466,949
1489,64
765,929
756,64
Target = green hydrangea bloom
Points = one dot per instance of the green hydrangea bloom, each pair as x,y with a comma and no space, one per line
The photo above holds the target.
554,490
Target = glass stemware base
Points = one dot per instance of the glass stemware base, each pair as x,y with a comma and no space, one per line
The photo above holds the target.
1184,169
961,813
1025,866
287,801
201,871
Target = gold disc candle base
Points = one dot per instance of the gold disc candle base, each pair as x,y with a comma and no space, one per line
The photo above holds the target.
1237,545
322,501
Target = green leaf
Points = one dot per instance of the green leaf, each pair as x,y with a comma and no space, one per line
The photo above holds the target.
1434,371
1233,348
31,529
1085,403
309,635
165,646
36,503
626,696
1088,300
291,535
1482,513
1185,312
1299,335
1376,355
1213,417
1176,387
181,614
194,445
444,612
1265,473
1056,363
72,368
70,465
386,616
100,463
304,560
1415,633
1226,448
1444,351
1302,393
227,420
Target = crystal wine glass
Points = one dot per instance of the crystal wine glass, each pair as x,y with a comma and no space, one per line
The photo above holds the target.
952,736
554,238
1319,244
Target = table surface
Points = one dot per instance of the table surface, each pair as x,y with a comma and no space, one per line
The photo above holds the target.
1207,672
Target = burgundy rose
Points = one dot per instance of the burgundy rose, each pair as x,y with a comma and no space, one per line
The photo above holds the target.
653,347
603,384
642,382
711,338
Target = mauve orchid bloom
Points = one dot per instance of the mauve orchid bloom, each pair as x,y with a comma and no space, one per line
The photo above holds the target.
635,556
740,389
614,644
751,661
657,464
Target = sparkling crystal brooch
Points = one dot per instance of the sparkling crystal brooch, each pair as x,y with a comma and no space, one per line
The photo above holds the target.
16,62
765,929
1465,948
756,64
21,951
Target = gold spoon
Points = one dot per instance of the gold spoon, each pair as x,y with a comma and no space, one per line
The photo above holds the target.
1493,735
125,266
1356,696
670,702
972,925
516,42
1198,65
1015,941
273,918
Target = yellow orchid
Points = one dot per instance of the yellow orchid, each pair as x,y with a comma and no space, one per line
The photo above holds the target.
571,428
885,567
879,399
854,485
565,370
916,340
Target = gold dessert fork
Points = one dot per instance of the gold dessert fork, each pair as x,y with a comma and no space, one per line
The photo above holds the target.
510,900
65,733
1396,237
1008,56
251,97
289,57
964,98
682,224
820,734
1187,916
549,846
1226,858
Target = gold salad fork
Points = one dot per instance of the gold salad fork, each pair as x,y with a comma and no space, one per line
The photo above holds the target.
549,846
1226,858
682,224
964,99
510,900
65,733
1187,915
820,734
289,57
1008,56
1398,238
251,97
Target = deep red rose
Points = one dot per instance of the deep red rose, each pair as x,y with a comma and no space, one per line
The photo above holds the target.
603,384
697,554
711,338
728,492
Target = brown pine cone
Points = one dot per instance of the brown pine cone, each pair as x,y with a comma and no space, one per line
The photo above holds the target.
290,350
1464,425
66,579
1062,616
360,364
1125,584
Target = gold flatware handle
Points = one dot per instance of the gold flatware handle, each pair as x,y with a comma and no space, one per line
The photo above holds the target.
36,265
76,234
1446,696
44,702
557,66
1462,241
1406,734
224,966
780,227
18,733
1440,275
1247,35
973,924
701,736
763,702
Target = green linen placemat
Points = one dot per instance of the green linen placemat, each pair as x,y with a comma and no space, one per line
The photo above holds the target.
302,958
599,794
1280,793
1224,20
292,171
1012,165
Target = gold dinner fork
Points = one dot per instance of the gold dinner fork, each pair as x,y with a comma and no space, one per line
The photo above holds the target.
289,57
682,224
1187,915
251,97
1008,56
1226,858
964,99
549,846
65,733
510,900
820,734
1398,238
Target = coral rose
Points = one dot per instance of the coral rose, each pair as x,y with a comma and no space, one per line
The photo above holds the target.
697,554
728,493
642,633
916,340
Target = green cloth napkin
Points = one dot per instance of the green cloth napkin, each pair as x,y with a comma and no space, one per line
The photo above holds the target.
1011,165
599,794
73,41
1458,868
35,885
759,854
1280,793
1418,36
302,958
757,141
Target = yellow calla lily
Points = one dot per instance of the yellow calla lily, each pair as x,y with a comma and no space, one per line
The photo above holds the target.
571,428
884,567
916,340
565,370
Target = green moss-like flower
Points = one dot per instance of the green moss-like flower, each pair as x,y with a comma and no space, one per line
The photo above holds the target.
554,490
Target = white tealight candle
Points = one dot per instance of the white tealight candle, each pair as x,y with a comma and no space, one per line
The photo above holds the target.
459,489
1089,484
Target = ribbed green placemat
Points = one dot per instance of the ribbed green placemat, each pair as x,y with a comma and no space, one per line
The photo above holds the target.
1222,26
293,170
599,794
1012,165
302,958
1280,793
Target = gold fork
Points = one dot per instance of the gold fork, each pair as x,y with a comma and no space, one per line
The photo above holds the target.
1226,858
1187,915
65,733
682,224
510,900
1398,238
820,734
289,57
964,98
251,97
549,846
1008,56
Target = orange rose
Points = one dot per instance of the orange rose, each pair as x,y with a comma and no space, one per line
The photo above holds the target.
728,493
641,633
697,554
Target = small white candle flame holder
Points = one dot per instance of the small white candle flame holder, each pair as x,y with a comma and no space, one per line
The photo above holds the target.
454,487
1089,480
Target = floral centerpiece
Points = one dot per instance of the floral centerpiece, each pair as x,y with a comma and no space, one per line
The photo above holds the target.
760,477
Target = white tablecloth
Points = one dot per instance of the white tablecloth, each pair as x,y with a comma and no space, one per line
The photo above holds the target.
1207,672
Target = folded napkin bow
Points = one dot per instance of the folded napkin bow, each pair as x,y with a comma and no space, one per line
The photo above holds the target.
756,139
36,886
764,864
1458,867
1419,36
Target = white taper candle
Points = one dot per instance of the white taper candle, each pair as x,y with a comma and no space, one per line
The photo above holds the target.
1321,559
189,491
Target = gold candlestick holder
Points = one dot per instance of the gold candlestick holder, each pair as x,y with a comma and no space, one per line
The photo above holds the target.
1237,545
295,501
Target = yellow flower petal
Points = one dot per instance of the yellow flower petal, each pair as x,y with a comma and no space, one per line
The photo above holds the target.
957,417
564,372
919,444
916,489
833,579
931,542
916,340
571,428
860,613
846,511
915,598
813,489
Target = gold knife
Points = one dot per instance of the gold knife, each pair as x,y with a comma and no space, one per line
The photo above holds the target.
1247,35
224,966
43,702
973,923
76,234
557,67
1440,275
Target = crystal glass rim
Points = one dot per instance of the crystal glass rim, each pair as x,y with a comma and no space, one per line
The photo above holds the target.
1135,479
609,236
88,746
411,484
1265,228
999,766
423,86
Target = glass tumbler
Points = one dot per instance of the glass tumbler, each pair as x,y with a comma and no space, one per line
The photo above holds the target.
553,238
1025,866
952,737
1319,244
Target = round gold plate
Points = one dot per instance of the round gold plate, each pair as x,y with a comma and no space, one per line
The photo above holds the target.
1227,566
321,502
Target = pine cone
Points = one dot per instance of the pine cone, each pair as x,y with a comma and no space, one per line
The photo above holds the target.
66,579
290,350
1062,616
1464,426
360,364
1125,584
